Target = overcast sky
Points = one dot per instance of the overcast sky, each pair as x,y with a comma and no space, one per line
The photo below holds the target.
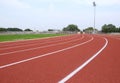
56,14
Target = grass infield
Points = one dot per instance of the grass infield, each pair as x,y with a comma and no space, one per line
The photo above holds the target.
25,36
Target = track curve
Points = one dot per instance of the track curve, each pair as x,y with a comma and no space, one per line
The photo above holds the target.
58,57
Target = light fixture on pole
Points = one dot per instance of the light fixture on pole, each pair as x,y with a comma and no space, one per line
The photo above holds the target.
94,5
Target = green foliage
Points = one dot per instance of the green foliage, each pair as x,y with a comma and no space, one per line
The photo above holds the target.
89,30
50,30
27,30
118,30
14,29
71,27
10,29
109,28
3,29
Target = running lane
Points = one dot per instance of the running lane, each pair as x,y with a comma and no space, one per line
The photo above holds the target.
33,41
8,45
19,55
18,47
54,66
105,68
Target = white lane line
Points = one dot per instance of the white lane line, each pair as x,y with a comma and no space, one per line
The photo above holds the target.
29,44
40,47
29,59
84,64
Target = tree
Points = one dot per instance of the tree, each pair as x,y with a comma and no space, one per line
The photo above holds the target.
104,28
3,29
109,28
118,29
90,30
50,29
71,27
27,30
14,29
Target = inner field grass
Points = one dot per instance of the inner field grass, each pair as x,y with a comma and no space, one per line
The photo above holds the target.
25,36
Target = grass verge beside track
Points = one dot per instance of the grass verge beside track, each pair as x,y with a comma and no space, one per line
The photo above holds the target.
25,36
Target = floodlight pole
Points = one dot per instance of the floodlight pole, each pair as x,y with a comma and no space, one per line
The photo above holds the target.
94,5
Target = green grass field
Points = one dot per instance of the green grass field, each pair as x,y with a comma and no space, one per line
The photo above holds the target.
25,36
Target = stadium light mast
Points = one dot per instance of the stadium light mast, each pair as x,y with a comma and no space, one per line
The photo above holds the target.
94,5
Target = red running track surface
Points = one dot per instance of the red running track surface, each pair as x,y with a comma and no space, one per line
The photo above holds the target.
50,60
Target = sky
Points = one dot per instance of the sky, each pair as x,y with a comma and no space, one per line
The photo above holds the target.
56,14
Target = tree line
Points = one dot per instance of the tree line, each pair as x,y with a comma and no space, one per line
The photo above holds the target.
71,27
110,28
106,28
13,29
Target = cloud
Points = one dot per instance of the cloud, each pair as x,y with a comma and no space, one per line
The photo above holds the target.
13,4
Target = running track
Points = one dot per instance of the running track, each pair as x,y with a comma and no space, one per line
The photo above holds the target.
67,59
